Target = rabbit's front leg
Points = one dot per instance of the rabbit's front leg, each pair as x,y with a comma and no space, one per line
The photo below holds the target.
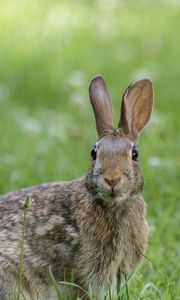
8,289
3,290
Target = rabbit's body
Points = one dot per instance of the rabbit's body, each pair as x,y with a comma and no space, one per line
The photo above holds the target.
70,232
94,227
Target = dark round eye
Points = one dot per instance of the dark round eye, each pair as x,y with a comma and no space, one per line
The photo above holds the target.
135,153
93,153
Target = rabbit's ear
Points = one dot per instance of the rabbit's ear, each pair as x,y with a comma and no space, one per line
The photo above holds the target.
136,107
101,103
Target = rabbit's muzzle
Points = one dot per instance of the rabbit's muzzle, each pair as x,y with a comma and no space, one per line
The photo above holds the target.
112,182
114,185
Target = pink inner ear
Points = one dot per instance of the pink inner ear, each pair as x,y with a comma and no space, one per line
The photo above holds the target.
136,112
140,115
138,101
131,109
136,108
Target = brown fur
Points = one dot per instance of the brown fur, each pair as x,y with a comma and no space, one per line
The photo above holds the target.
84,226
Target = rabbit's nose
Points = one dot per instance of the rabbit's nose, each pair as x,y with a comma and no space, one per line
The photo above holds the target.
112,182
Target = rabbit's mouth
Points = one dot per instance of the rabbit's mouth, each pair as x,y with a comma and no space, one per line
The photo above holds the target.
114,197
121,189
113,193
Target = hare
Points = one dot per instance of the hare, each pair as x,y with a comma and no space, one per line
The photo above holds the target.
94,227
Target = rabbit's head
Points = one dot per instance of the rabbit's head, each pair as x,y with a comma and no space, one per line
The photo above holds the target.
115,172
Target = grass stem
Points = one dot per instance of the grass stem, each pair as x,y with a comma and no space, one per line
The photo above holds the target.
20,282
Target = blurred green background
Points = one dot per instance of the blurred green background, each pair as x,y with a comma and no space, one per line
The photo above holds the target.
49,51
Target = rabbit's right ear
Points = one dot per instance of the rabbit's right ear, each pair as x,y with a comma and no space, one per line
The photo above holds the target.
101,103
136,108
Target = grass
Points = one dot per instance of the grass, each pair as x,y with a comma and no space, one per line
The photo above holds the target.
48,54
20,282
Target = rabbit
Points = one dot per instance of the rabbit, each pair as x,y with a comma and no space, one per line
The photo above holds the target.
93,227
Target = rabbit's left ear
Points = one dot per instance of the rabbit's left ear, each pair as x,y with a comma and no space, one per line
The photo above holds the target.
101,103
136,108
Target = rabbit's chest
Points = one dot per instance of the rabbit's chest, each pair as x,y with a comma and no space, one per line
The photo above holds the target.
113,245
119,260
122,253
126,246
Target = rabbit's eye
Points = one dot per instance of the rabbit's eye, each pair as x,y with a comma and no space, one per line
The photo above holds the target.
93,153
135,153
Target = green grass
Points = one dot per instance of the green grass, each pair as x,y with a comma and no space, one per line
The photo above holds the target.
49,52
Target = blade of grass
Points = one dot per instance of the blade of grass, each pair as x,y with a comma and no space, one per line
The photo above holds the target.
151,286
75,286
109,292
170,292
55,285
126,285
65,296
71,286
25,206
